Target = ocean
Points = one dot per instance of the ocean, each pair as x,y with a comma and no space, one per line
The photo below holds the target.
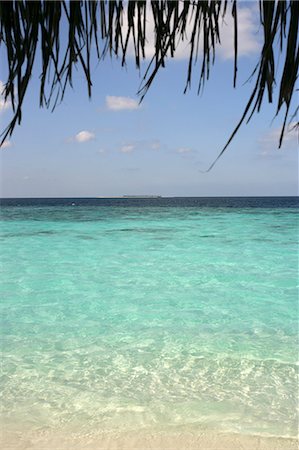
119,314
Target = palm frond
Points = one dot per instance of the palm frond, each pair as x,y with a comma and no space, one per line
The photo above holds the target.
113,27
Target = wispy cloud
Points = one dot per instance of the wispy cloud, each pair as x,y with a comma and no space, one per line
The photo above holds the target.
269,142
155,145
121,103
6,144
128,148
141,145
4,105
183,150
84,136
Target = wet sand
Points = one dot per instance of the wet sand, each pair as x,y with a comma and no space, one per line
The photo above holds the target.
144,440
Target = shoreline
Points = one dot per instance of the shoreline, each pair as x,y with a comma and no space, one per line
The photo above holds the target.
175,438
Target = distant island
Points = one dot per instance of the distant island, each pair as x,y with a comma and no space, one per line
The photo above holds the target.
130,196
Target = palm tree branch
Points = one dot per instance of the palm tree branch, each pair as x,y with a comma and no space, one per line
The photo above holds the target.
96,28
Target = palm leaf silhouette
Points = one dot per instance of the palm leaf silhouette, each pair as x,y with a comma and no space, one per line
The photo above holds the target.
31,27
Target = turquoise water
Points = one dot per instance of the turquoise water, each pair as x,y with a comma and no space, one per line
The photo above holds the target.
122,317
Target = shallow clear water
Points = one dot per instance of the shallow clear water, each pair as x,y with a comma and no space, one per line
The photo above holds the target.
132,314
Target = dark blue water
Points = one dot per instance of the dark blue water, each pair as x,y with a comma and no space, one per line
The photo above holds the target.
183,202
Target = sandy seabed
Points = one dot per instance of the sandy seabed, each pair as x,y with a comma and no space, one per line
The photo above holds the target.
144,440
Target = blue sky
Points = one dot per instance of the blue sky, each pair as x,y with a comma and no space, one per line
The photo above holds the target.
111,145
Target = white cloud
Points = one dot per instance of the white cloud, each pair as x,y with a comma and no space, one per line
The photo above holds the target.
84,136
248,39
6,144
4,105
128,148
121,103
